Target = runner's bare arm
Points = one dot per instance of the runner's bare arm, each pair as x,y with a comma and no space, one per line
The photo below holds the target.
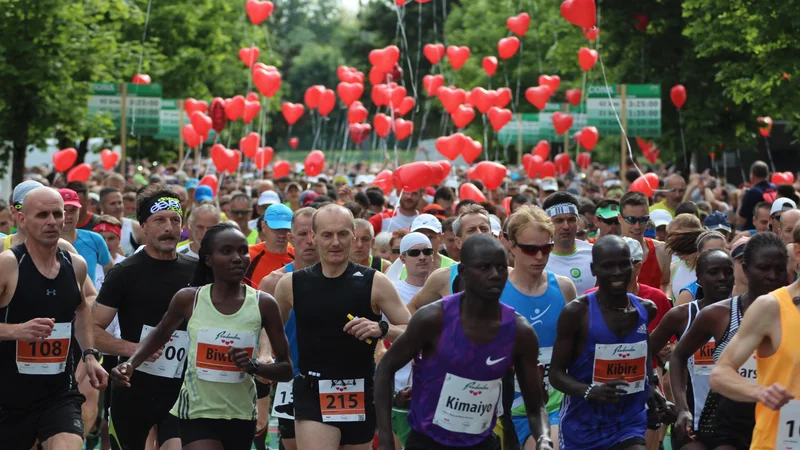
387,300
423,330
270,282
83,313
567,288
669,326
271,322
180,309
89,291
103,316
435,287
664,259
757,326
285,297
684,297
572,320
526,364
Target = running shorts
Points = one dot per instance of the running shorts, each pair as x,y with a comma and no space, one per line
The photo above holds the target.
60,414
262,389
134,411
419,441
306,407
234,434
286,428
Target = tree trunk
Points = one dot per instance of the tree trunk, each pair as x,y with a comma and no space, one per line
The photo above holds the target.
18,157
83,148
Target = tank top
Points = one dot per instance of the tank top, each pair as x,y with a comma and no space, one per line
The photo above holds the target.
778,429
34,372
321,307
7,242
127,240
457,389
650,274
291,329
697,377
213,387
683,276
596,425
542,313
453,278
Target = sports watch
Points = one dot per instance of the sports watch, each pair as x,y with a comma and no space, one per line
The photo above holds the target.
384,326
91,351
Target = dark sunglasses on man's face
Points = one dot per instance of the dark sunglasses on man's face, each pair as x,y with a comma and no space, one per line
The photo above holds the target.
532,249
415,252
581,234
396,251
631,220
611,221
240,212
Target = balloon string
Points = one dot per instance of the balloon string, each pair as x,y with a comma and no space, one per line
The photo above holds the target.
316,134
266,36
139,69
485,137
769,153
683,141
419,51
519,71
584,99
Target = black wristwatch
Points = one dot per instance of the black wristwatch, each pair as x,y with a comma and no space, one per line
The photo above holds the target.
384,326
91,351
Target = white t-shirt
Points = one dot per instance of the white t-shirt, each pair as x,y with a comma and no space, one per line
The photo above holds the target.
575,266
186,249
402,378
113,328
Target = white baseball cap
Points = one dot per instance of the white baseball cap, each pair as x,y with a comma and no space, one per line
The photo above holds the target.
428,222
268,198
782,204
660,217
548,184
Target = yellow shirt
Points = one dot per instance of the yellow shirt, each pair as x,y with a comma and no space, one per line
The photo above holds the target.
663,205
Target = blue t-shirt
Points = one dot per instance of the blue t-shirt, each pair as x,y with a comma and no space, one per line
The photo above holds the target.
92,247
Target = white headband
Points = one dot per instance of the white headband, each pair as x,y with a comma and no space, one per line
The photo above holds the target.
562,208
412,239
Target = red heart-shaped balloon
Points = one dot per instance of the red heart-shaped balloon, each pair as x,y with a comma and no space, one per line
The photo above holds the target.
268,82
640,21
574,97
281,169
312,96
349,92
201,123
489,64
413,176
542,150
779,178
251,110
553,82
292,112
356,113
353,76
433,52
451,97
385,59
451,146
527,161
376,76
561,122
582,13
217,114
211,181
315,162
499,117
446,167
381,95
463,115
258,11
503,97
469,191
457,56
190,136
432,83
249,55
220,156
584,160
519,24
64,159
482,99
233,109
109,159
249,144
262,157
406,105
472,149
383,124
327,101
141,78
562,163
538,96
591,33
81,172
294,142
547,170
641,185
507,47
678,95
359,132
403,129
587,58
589,137
191,105
384,181
491,174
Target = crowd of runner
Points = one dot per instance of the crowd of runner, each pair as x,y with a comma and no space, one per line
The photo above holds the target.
155,312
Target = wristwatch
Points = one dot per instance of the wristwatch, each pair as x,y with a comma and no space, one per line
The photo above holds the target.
91,351
384,326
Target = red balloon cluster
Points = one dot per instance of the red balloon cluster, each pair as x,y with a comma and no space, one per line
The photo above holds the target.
385,59
359,132
384,181
782,178
432,83
225,160
491,174
414,176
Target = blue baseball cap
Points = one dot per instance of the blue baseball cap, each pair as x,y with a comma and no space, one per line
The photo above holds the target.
203,193
191,183
278,217
717,221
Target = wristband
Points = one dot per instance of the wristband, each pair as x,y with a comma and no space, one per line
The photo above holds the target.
588,390
543,438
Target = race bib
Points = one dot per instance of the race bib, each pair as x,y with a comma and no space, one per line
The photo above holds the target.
47,357
342,400
704,358
467,406
283,405
173,356
748,369
213,362
621,361
789,427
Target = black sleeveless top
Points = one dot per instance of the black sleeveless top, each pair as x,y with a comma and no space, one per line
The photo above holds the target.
321,306
38,297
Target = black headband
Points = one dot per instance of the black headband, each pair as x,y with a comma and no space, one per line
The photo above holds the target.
156,204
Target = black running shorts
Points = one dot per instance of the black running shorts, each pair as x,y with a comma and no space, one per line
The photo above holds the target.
134,411
60,414
232,434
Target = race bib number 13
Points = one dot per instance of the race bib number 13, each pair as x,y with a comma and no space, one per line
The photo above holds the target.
283,405
47,357
342,400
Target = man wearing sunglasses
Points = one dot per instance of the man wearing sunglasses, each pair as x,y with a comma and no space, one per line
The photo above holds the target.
634,218
606,218
570,257
676,189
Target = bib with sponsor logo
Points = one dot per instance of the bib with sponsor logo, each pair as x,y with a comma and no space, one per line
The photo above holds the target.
47,357
173,357
621,361
283,405
213,362
704,358
467,406
342,400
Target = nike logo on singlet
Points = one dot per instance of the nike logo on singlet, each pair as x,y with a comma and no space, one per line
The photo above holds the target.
490,362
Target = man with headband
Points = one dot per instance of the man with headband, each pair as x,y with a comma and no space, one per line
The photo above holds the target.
570,258
140,290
